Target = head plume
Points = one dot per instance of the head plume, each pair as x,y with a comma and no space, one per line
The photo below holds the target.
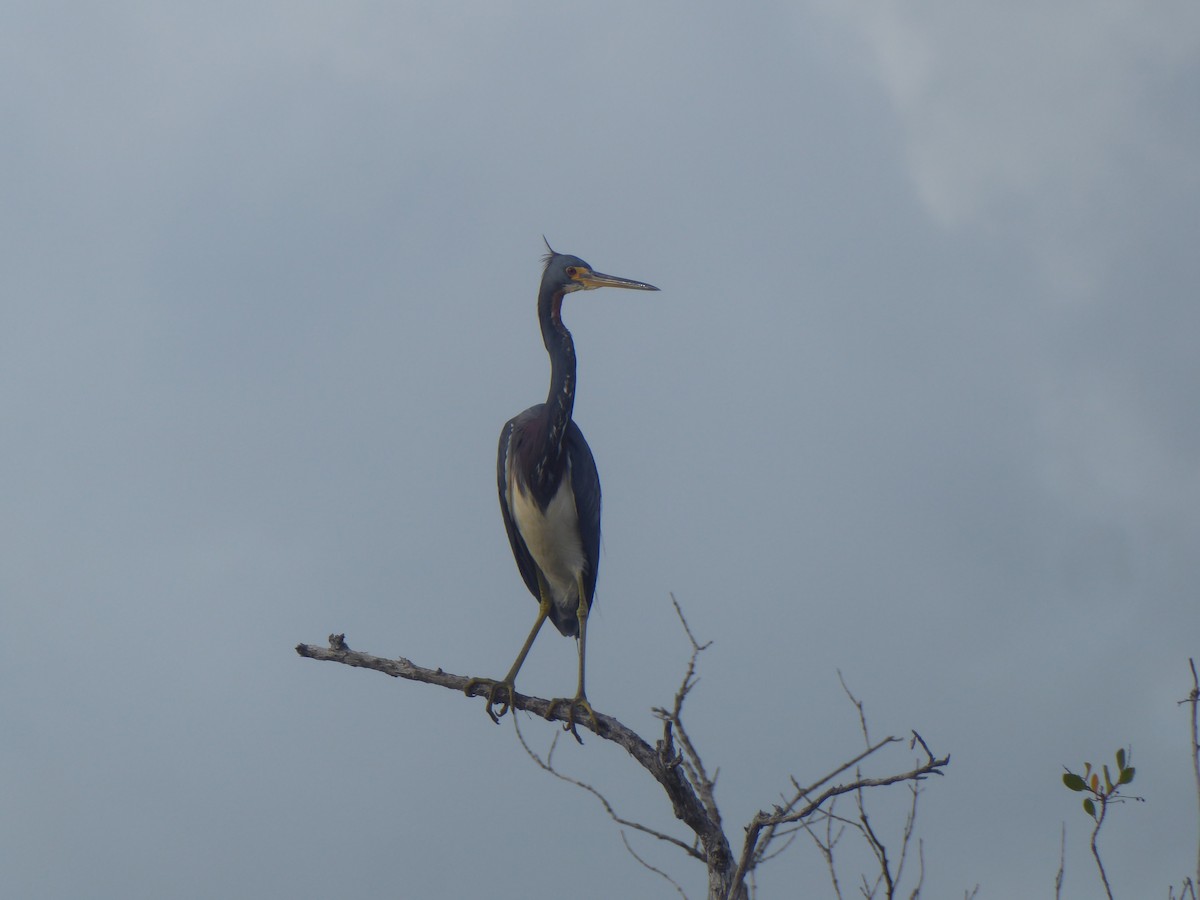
549,255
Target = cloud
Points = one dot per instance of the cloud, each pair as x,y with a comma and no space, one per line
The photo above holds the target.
1032,102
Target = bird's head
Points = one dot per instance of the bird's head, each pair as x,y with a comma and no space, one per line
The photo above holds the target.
570,273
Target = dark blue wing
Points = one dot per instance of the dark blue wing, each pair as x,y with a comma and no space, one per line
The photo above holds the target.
585,481
520,552
585,484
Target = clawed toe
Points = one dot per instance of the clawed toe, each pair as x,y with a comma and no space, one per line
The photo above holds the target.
496,688
572,704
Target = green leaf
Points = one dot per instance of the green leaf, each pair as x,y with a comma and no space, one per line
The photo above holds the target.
1095,783
1127,775
1089,807
1121,758
1108,785
1073,781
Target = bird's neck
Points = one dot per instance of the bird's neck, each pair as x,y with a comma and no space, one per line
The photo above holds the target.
561,399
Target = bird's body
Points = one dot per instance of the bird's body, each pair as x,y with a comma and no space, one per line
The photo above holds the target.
555,533
549,487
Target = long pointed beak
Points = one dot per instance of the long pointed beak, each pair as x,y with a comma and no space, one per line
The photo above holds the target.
593,280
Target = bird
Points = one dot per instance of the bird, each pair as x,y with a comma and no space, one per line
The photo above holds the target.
550,491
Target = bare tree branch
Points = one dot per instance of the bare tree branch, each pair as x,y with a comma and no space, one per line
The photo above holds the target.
916,891
1194,699
661,762
691,761
1062,863
802,793
826,847
771,832
862,716
790,835
889,879
910,823
547,765
680,772
656,871
932,766
877,847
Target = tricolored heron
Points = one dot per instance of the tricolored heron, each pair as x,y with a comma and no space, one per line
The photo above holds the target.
550,489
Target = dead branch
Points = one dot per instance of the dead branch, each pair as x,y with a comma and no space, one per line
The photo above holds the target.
661,762
673,724
656,871
1194,699
680,772
803,793
547,765
826,846
932,766
862,715
1062,863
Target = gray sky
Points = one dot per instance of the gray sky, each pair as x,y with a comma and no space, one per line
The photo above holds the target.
917,401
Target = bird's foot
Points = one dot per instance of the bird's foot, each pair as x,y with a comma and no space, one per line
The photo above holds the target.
496,688
572,704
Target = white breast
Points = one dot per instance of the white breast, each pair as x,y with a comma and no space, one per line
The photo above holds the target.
552,538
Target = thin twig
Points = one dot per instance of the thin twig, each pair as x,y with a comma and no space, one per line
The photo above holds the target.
802,793
693,765
547,765
1096,851
933,766
762,853
826,847
1194,699
877,847
916,891
790,835
1062,862
633,853
696,645
862,716
910,823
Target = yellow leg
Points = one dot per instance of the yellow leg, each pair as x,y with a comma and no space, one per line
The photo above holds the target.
508,684
580,700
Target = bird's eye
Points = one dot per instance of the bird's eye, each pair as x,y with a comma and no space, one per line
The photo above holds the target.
572,271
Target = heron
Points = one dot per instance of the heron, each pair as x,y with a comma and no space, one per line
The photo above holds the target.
550,491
